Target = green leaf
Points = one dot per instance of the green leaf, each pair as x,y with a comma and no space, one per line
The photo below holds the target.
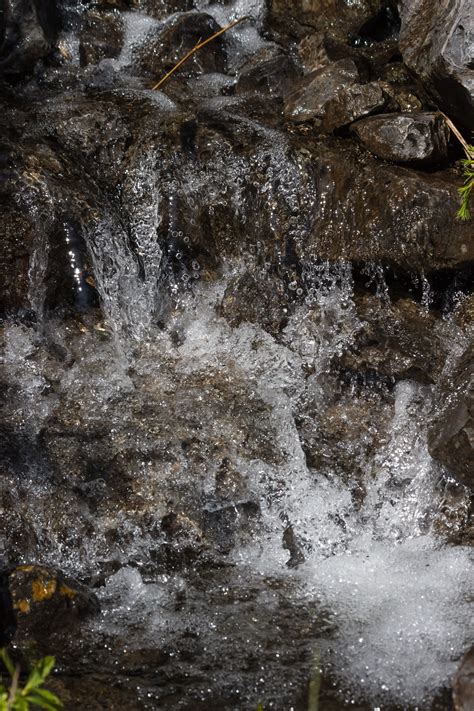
45,699
45,666
34,680
20,704
5,657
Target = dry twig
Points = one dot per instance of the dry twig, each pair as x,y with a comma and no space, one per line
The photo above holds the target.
198,46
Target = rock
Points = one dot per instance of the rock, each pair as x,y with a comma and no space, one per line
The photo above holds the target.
268,71
161,9
101,36
312,52
437,42
374,211
28,32
451,433
382,26
230,485
179,35
463,683
332,97
338,17
420,138
33,172
44,604
400,341
249,299
293,546
17,245
340,438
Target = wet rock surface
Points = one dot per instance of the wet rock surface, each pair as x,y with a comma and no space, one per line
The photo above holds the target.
436,42
235,342
463,683
405,138
44,608
332,97
451,433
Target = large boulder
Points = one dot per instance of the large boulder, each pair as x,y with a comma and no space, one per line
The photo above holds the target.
379,212
437,43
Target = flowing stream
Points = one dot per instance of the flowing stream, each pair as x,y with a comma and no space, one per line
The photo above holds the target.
247,511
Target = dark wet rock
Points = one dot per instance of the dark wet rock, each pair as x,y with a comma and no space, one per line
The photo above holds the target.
332,437
383,25
184,542
230,484
398,341
451,433
179,35
312,52
332,97
375,211
400,99
250,299
101,36
45,603
437,44
160,9
268,70
454,517
463,683
92,131
38,173
28,32
293,546
336,17
405,138
17,244
227,524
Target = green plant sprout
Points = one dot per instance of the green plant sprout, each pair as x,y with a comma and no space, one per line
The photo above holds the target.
464,212
467,189
17,698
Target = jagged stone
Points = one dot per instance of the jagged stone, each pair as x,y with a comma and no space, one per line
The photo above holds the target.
333,97
420,138
437,42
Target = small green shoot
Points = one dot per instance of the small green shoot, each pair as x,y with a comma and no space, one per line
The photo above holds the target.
16,698
464,212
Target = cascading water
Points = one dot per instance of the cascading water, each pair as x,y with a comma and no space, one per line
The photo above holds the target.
242,500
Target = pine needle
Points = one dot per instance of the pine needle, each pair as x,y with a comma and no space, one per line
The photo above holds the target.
199,45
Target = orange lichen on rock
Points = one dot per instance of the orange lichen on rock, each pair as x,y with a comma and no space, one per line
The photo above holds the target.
43,589
68,592
22,606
